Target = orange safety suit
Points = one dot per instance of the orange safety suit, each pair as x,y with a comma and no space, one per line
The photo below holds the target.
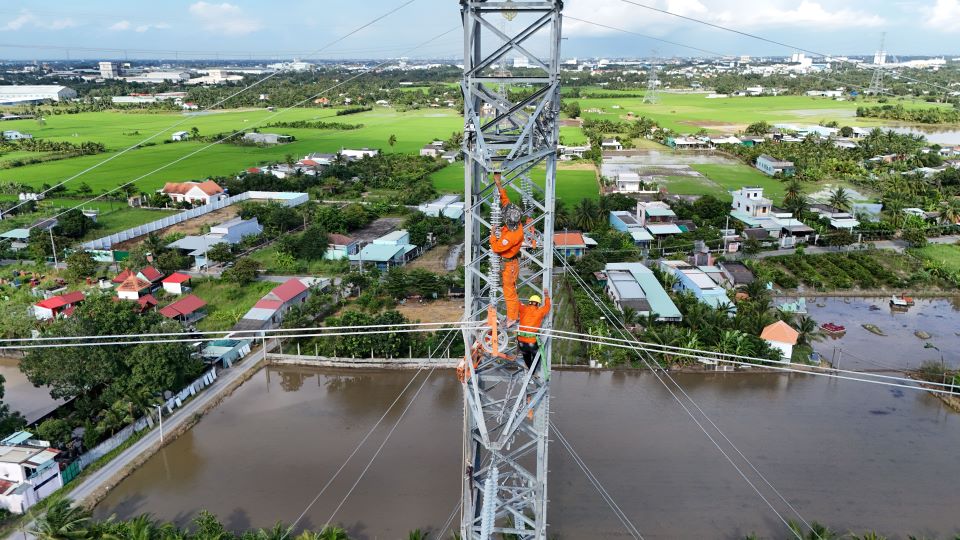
530,320
508,248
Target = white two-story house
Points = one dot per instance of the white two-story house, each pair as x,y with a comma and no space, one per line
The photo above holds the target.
28,471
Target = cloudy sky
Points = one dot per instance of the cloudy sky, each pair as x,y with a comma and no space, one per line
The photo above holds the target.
32,29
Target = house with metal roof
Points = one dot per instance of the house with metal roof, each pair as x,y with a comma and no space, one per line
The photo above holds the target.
392,249
268,311
570,243
635,286
176,283
770,166
29,471
229,232
187,310
626,222
340,246
449,206
696,281
57,306
225,351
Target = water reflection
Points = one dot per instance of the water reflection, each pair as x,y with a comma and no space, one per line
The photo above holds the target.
852,455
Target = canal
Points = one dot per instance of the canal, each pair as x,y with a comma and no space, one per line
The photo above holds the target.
849,454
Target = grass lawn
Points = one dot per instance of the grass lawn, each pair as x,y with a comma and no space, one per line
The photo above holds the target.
692,185
572,135
734,177
227,302
946,254
268,256
119,130
689,112
125,218
574,182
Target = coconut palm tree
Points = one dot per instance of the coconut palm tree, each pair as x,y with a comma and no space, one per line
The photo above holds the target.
416,534
840,199
586,214
62,521
277,532
951,212
807,328
561,216
333,533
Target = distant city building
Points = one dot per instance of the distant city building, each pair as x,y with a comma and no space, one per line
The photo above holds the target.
16,94
157,77
110,70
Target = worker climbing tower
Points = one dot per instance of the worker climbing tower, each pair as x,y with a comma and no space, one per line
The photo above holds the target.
510,134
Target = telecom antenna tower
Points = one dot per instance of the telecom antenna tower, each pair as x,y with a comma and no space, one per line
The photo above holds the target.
879,59
511,132
653,85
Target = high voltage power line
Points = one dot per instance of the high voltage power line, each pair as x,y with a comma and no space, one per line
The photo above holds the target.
768,40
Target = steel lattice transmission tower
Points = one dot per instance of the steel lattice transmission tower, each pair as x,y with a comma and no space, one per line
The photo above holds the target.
653,84
512,130
879,59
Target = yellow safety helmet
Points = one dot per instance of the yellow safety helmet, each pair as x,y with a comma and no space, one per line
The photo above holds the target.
536,298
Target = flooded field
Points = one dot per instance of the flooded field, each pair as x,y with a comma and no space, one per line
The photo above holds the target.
845,453
900,348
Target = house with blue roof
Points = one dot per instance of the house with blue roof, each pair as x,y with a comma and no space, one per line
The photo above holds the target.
697,281
393,249
634,286
626,222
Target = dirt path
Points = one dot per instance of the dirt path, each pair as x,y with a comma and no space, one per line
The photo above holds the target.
188,227
446,310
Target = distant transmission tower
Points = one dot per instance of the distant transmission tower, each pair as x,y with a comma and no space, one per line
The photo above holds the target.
653,84
879,59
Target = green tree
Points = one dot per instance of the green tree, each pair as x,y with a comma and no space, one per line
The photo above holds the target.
220,253
244,271
586,214
80,264
73,224
840,199
392,140
55,430
62,521
170,261
758,128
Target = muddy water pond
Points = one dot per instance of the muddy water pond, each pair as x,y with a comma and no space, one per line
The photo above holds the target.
900,347
844,453
21,395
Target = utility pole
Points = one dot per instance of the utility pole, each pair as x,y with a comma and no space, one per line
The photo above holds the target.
53,248
160,416
506,405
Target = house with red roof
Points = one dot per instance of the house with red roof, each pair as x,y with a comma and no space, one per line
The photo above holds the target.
176,283
570,243
133,288
57,306
269,311
198,193
150,274
781,336
187,310
289,293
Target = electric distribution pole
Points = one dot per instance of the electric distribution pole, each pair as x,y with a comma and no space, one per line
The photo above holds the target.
513,132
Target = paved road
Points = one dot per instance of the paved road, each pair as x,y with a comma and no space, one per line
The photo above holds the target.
99,479
895,245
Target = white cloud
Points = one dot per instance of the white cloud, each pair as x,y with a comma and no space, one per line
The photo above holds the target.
943,15
27,18
19,21
737,14
224,18
124,25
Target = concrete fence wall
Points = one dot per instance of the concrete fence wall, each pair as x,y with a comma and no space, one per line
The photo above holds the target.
329,361
286,199
121,436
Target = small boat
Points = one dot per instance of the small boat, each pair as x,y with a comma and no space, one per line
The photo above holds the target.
873,329
831,328
901,301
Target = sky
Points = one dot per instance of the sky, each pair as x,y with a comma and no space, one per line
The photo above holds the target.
261,29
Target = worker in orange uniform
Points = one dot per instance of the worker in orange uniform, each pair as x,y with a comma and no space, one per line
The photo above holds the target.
531,318
507,246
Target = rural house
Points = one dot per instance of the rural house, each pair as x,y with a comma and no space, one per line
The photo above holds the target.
771,166
198,193
28,471
57,306
187,310
782,336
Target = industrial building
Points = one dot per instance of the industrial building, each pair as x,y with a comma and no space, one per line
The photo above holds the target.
17,94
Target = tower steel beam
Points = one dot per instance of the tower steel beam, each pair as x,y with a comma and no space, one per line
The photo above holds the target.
511,127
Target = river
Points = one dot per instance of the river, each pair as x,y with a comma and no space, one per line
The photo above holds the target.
845,453
942,135
21,395
900,348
